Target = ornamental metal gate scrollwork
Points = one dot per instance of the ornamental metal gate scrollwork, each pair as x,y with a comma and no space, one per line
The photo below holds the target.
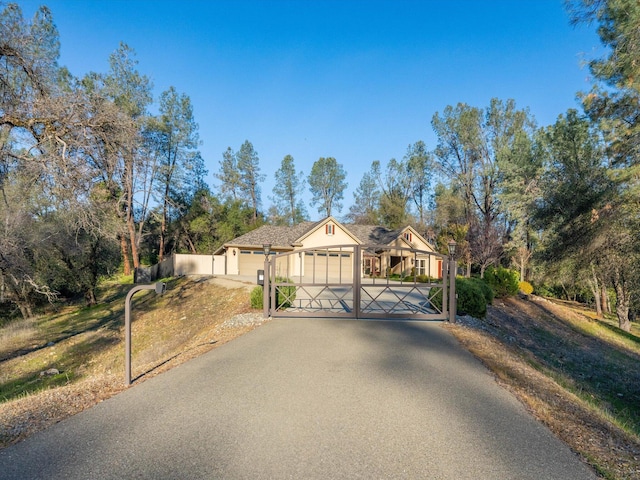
360,281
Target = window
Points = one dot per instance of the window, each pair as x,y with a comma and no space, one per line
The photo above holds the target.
408,236
420,267
330,229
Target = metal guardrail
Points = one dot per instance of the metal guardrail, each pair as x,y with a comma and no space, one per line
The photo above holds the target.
160,288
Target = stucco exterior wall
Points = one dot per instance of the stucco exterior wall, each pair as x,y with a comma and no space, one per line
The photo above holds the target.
232,261
320,238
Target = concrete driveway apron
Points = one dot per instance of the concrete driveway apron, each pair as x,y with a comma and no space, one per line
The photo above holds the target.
308,399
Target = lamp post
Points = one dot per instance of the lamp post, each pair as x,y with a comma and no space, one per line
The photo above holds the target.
160,288
452,281
266,287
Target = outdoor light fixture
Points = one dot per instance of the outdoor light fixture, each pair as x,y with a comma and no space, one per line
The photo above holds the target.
452,247
267,249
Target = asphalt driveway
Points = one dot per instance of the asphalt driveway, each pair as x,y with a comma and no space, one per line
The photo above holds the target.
308,399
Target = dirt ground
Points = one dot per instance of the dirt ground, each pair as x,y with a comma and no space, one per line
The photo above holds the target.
538,351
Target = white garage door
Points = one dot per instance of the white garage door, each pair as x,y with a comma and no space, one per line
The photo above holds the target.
250,262
328,267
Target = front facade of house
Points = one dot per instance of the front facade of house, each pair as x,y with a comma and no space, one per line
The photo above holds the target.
325,249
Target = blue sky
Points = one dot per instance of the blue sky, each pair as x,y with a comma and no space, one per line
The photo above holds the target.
351,79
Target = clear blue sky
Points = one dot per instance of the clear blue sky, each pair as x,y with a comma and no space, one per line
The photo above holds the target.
352,79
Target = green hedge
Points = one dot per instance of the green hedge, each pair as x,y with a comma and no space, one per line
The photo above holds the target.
285,295
484,287
503,281
471,297
257,298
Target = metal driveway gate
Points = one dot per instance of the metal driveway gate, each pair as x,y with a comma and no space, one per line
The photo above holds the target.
360,281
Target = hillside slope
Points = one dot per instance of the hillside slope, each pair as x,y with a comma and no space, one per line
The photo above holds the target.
58,365
578,375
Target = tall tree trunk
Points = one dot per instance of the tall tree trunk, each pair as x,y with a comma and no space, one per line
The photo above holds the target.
622,310
21,300
192,247
126,264
622,301
132,240
163,229
25,310
165,209
595,289
604,298
129,219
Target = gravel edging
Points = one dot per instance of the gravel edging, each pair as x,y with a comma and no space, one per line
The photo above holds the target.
244,320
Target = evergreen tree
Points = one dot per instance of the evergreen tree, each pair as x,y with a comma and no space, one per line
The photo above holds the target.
176,142
288,187
229,175
364,210
248,165
327,185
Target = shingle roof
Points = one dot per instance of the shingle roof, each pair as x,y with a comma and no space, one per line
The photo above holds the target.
285,236
277,236
373,233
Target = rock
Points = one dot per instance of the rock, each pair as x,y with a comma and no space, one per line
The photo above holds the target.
51,372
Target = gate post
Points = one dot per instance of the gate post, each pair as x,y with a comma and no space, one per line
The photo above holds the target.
266,287
357,279
452,281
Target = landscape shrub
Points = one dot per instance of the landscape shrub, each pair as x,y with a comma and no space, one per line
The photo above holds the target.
257,298
420,279
526,288
484,287
503,281
543,290
436,300
471,299
285,295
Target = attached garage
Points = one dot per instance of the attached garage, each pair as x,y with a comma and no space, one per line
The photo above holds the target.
250,262
327,266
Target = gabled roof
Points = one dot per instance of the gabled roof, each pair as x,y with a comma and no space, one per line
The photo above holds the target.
277,236
286,237
374,234
325,221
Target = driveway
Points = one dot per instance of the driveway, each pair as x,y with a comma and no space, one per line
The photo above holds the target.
308,399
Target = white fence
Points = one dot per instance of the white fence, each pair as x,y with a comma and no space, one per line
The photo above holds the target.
185,264
182,264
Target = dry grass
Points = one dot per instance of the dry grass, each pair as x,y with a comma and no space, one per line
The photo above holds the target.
166,331
14,334
574,373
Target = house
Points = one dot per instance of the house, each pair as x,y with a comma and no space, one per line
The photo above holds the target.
329,240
